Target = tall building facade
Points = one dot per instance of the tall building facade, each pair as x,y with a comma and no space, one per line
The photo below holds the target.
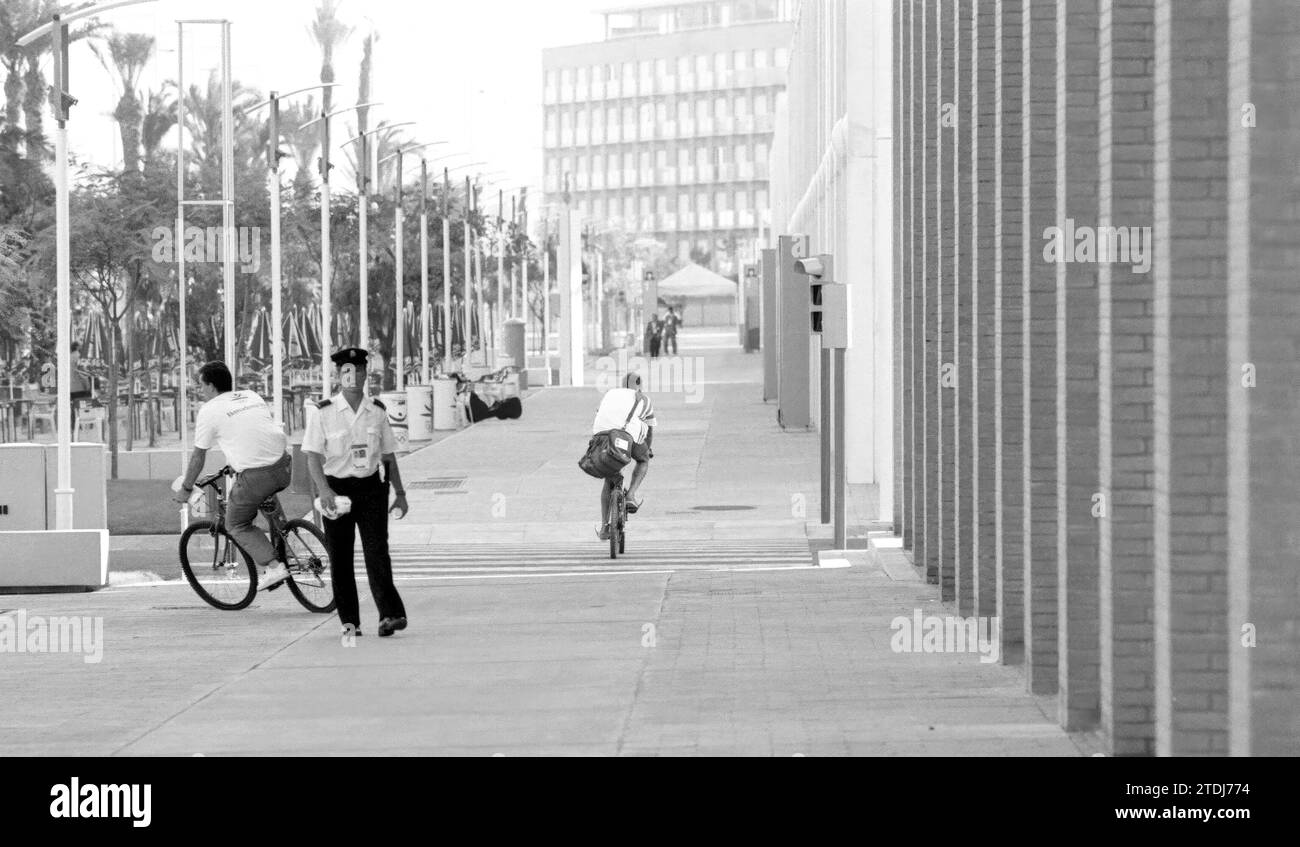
664,129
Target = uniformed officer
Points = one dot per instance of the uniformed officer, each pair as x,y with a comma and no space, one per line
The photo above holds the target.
347,438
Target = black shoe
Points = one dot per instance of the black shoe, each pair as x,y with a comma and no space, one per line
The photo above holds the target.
399,623
633,506
387,626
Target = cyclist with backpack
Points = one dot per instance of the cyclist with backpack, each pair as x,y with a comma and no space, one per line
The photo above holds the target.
622,432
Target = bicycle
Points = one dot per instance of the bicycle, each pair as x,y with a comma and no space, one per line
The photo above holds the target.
223,573
616,522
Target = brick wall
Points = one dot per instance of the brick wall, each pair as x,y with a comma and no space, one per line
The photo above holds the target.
1076,364
959,355
1264,439
1008,259
1038,116
1190,516
981,330
1125,401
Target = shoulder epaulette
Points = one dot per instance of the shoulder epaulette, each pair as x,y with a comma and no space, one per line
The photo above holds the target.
381,405
320,404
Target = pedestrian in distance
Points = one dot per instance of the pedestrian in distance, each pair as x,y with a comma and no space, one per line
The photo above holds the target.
348,439
671,322
255,447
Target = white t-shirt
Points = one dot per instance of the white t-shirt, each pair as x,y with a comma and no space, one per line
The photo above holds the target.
240,423
614,408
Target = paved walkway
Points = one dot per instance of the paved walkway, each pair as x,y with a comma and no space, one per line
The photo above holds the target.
715,635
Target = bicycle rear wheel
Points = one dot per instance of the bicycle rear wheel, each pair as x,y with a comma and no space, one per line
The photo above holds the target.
615,525
216,567
307,556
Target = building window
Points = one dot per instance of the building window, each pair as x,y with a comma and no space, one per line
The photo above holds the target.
761,58
550,120
661,68
701,109
661,111
701,65
683,203
760,104
645,205
550,79
760,152
683,66
720,106
720,63
629,72
611,117
740,108
742,153
683,110
582,77
742,201
740,59
566,77
683,158
721,201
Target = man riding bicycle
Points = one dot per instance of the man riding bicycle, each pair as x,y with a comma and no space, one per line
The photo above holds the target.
628,409
255,447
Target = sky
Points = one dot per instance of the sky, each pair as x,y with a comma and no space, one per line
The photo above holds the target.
468,73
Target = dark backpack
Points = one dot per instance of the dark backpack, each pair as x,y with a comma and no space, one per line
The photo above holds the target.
609,452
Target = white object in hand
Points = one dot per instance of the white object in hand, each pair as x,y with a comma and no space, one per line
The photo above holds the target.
342,505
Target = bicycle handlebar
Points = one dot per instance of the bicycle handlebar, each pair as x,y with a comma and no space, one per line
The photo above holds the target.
212,479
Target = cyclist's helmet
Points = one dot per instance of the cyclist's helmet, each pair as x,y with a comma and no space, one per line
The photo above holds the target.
633,381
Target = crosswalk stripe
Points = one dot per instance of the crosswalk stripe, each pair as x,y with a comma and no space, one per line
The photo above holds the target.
415,561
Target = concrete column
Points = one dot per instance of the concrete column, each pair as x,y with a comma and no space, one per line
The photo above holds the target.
1190,376
981,328
944,375
1124,402
1263,313
902,261
960,310
1078,507
1008,344
928,331
1039,336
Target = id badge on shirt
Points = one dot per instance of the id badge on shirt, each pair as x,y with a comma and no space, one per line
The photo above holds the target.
360,457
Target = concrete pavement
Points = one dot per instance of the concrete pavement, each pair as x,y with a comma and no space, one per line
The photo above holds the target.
714,635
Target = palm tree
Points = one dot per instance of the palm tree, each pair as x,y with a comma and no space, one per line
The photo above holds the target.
303,143
328,33
128,54
159,118
203,123
25,88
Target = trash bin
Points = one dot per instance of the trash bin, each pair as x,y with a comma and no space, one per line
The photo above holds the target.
419,410
444,402
395,403
512,348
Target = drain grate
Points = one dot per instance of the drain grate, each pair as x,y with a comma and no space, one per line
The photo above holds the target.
722,508
440,484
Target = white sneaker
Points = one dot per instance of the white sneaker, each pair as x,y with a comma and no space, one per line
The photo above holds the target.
274,575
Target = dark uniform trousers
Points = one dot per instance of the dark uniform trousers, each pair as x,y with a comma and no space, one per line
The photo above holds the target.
369,514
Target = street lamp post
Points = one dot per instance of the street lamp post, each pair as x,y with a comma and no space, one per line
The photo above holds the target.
363,225
399,341
446,259
325,295
62,101
273,157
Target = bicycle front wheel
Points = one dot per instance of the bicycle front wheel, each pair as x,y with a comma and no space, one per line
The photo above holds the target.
217,568
307,557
